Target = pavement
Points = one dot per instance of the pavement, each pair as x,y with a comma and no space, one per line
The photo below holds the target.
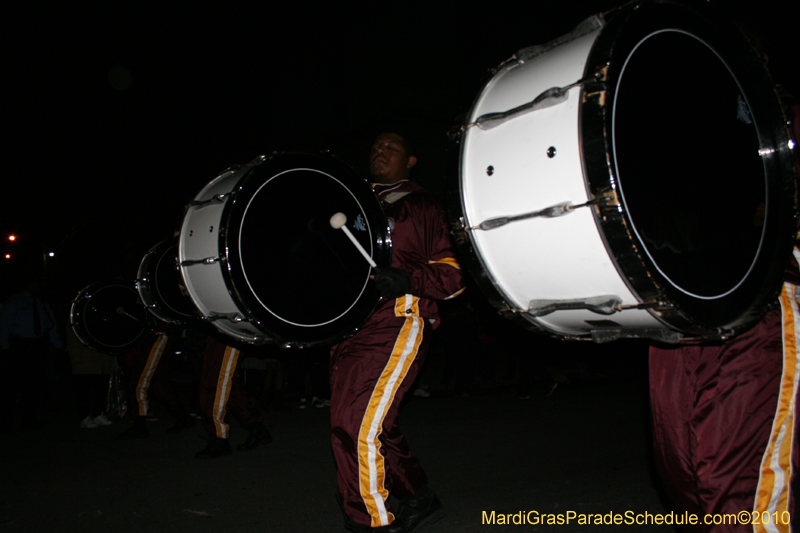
585,449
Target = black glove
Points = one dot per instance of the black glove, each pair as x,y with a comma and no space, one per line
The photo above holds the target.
392,282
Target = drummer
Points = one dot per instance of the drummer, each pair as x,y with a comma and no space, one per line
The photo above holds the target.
372,371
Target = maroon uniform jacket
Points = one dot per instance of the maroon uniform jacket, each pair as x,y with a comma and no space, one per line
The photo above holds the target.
421,246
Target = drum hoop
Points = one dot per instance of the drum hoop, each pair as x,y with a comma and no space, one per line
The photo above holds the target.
622,189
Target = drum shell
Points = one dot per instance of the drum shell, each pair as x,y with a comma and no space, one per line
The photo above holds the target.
202,260
524,178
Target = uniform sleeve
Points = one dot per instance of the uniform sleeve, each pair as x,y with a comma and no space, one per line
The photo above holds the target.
437,274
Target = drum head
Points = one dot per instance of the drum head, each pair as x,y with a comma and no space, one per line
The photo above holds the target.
692,141
300,280
108,316
159,285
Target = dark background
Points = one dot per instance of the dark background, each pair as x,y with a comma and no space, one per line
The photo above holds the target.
117,113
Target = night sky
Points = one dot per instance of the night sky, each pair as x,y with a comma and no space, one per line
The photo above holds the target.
120,113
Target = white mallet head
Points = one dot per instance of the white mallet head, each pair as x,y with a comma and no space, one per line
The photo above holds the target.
338,220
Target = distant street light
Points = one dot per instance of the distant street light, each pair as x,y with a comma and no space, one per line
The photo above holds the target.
12,237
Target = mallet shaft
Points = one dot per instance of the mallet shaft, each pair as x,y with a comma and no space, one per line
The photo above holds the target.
338,221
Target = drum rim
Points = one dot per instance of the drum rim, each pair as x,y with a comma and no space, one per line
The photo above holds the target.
634,228
76,314
364,288
146,286
614,225
279,330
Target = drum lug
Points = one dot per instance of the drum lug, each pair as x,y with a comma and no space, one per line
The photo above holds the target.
553,211
548,98
216,199
206,261
595,87
655,306
458,230
604,305
233,317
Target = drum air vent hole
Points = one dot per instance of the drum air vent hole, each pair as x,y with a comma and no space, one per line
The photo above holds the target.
211,229
551,152
489,170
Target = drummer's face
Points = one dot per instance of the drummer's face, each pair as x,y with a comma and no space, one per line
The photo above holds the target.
388,160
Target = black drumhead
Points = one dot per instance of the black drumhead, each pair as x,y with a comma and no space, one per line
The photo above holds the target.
108,316
159,286
302,281
699,161
701,223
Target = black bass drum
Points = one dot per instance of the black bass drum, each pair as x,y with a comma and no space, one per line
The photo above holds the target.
634,178
261,262
159,285
109,317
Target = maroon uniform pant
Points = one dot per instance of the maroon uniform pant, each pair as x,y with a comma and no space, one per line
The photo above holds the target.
147,377
221,390
370,374
724,425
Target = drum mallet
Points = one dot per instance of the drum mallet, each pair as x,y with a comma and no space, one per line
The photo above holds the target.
338,221
121,311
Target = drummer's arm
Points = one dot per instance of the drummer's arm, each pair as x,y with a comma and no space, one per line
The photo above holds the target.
440,278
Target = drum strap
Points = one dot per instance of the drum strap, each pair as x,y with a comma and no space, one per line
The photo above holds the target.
393,197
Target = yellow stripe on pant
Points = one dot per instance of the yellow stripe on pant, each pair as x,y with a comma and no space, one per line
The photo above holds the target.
372,472
772,496
150,367
224,384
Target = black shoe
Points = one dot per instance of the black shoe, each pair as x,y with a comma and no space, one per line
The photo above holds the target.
137,431
181,424
421,509
217,447
258,436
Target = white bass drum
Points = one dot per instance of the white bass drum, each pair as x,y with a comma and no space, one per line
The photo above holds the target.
633,178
